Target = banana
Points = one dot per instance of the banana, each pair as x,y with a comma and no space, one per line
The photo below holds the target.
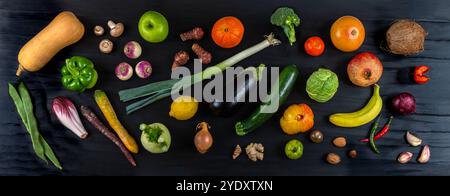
363,116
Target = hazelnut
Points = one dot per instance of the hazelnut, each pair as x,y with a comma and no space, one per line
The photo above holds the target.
340,142
98,30
352,154
106,46
333,158
316,136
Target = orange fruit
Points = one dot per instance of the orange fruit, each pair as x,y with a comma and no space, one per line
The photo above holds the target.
347,33
227,32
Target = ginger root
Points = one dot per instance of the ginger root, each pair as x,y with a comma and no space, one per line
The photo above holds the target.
255,151
237,152
194,34
202,54
180,59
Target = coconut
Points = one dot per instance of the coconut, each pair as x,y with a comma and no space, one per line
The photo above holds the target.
405,37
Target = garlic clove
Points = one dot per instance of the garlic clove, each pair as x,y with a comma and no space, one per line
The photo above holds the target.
412,139
425,154
404,157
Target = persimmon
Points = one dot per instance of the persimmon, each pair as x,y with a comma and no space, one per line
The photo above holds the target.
347,33
297,118
227,32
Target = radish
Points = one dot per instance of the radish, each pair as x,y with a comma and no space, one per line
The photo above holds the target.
143,69
132,50
124,71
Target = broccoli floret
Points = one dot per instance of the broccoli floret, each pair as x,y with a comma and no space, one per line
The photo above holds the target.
286,17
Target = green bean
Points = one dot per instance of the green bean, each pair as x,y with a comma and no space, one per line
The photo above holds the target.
32,124
18,102
22,113
50,154
24,106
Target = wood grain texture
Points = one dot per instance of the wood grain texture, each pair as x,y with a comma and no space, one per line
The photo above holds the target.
21,19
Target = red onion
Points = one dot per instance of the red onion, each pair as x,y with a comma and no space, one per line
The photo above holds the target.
67,114
404,103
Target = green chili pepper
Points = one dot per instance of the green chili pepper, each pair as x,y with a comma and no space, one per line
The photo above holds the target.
78,74
24,106
372,135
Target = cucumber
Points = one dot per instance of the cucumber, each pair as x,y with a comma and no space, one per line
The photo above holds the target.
287,79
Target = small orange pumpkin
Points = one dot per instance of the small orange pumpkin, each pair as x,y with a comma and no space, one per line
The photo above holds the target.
297,118
227,32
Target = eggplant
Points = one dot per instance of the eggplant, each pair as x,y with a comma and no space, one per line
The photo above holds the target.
241,91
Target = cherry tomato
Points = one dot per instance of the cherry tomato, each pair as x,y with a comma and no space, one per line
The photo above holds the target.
314,46
347,33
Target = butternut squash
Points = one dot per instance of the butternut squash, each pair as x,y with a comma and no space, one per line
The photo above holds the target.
64,30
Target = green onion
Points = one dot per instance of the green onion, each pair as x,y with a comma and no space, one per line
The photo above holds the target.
159,90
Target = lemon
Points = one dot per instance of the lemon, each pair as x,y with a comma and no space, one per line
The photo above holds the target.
183,108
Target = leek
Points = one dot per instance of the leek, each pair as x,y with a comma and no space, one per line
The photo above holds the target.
159,90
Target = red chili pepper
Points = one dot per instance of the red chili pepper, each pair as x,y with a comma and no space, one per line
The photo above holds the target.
419,74
382,132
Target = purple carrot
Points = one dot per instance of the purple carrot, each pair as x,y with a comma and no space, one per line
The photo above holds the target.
93,119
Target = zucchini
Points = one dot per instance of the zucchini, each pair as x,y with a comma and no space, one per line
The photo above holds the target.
226,109
286,80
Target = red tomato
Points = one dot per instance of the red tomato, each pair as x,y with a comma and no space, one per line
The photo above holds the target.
314,46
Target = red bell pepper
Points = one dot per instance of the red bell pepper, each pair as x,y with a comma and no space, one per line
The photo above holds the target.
419,74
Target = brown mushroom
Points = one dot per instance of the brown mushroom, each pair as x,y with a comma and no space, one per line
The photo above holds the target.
98,30
106,46
116,28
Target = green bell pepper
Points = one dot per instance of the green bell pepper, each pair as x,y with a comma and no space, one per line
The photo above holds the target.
78,74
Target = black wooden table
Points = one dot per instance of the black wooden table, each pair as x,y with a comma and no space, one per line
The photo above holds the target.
21,19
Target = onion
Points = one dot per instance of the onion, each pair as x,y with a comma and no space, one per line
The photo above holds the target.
143,69
203,139
124,71
404,103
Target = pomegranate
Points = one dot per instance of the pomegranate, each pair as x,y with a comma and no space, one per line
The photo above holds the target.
364,69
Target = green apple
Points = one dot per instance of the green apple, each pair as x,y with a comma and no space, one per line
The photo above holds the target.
153,27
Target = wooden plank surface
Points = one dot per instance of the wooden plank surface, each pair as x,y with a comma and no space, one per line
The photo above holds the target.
21,19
